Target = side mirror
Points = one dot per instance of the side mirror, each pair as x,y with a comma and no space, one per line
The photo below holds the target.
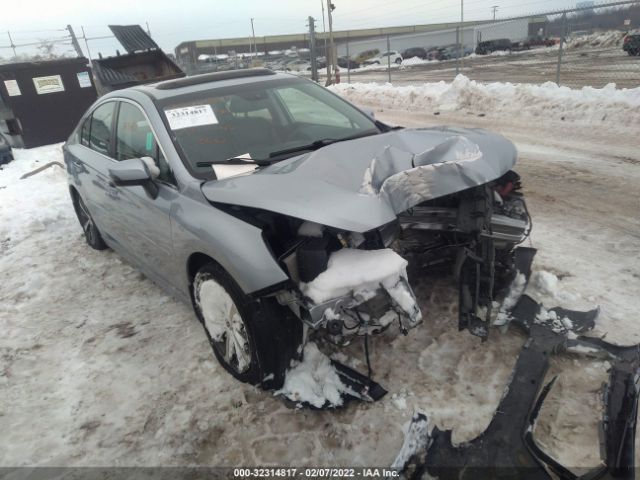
136,172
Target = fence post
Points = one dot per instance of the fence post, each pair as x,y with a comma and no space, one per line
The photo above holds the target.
348,61
459,53
563,33
389,58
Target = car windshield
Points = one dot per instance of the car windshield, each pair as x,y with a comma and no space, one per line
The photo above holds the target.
262,121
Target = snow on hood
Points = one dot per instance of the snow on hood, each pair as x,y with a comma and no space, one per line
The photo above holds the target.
360,184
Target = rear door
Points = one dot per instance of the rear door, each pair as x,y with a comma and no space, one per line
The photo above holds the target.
88,160
144,222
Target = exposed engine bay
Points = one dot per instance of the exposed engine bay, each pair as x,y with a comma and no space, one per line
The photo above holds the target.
474,231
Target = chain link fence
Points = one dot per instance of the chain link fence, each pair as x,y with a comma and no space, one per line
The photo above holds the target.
593,45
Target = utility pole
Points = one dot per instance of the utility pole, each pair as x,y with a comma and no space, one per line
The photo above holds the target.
330,8
86,42
255,47
562,37
495,9
312,48
74,41
461,33
11,44
324,33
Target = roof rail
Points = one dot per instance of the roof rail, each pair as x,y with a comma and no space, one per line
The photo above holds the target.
213,77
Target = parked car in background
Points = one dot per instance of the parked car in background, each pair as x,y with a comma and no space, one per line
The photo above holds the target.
298,66
366,55
631,43
384,58
5,150
344,62
433,53
533,42
490,46
415,52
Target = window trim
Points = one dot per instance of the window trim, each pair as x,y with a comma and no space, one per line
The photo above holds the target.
117,101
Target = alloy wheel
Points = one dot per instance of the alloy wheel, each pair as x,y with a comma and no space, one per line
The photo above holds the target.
224,325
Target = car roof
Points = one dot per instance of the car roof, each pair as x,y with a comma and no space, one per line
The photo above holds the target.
208,81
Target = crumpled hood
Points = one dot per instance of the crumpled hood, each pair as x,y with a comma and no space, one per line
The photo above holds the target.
358,185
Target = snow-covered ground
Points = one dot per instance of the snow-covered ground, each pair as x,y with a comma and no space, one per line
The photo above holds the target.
100,367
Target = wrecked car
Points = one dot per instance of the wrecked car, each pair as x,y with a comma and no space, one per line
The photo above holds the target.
276,208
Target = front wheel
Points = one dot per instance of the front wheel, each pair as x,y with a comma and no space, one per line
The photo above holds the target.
254,340
398,61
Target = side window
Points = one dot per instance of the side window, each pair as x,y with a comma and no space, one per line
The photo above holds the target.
135,139
100,134
85,132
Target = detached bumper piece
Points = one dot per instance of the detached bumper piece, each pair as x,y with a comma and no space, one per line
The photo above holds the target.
507,448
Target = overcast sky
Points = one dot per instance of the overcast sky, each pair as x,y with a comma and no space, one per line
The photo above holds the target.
172,22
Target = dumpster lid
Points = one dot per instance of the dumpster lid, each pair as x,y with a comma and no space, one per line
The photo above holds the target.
133,38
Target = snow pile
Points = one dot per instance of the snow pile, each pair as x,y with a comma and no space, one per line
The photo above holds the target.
548,101
545,283
33,204
313,380
358,272
610,38
408,62
516,289
361,274
376,66
551,318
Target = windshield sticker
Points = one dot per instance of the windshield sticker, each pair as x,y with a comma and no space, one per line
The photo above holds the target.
194,116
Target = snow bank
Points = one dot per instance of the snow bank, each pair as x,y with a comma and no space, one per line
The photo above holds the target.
314,380
610,38
548,101
358,271
417,61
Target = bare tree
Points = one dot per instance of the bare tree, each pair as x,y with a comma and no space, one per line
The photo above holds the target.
47,50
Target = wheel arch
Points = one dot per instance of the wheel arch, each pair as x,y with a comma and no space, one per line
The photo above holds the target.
73,191
196,261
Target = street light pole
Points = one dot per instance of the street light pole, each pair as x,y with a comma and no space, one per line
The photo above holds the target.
495,9
255,47
330,7
324,32
461,54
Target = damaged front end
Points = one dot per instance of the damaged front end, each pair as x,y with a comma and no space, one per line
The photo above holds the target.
341,220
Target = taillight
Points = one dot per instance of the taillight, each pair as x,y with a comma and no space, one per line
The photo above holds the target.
627,39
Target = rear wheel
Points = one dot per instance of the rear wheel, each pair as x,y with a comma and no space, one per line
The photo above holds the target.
398,61
254,340
91,233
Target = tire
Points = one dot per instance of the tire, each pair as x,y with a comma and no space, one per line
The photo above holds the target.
92,235
265,335
398,61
